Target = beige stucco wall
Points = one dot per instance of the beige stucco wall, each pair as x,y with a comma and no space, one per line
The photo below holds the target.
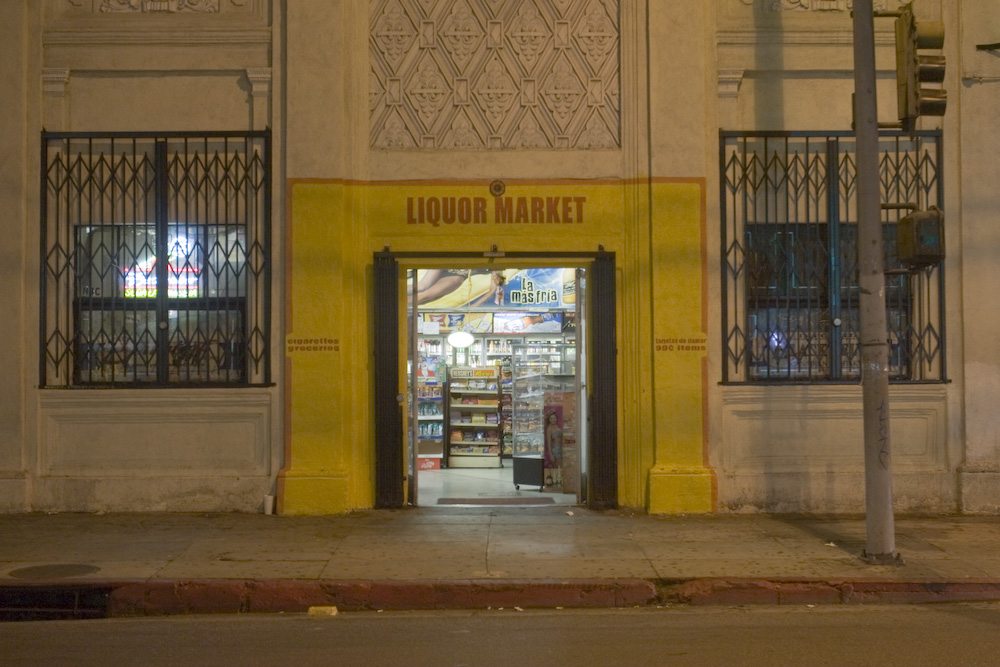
789,66
978,232
302,67
15,96
84,69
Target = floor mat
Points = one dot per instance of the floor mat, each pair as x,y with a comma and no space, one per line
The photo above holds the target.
519,500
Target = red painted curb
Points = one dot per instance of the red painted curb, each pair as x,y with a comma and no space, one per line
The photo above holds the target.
826,591
206,596
235,596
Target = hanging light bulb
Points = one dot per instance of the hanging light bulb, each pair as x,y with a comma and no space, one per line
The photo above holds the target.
460,339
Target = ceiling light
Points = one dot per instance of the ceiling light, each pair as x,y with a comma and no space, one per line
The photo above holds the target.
460,339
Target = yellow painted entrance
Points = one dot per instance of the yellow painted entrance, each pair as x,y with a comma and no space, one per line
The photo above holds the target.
655,230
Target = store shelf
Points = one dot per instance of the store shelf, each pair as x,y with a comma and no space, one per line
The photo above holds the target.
469,435
475,461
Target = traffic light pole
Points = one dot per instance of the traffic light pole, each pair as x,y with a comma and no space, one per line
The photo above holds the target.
879,520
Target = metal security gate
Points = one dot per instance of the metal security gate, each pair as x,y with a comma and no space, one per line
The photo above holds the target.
789,251
155,259
602,477
390,455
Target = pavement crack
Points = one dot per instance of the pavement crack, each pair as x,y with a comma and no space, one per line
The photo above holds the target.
489,536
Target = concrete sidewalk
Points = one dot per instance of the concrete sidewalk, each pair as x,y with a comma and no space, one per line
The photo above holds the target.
123,564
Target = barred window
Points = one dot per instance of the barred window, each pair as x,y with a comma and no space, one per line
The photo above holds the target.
789,249
155,259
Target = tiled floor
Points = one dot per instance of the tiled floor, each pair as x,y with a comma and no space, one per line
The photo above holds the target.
433,485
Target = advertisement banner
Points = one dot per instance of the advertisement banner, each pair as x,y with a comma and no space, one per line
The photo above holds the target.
502,288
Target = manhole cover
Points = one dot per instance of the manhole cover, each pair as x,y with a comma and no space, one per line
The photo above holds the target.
57,571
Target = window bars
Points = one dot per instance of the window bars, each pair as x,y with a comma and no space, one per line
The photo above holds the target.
789,258
155,267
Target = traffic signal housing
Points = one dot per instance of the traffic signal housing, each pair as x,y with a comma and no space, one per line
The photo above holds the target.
914,68
920,238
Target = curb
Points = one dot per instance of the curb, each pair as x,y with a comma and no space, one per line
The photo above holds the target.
790,590
97,599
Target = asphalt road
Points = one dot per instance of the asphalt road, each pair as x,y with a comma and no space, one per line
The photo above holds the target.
952,634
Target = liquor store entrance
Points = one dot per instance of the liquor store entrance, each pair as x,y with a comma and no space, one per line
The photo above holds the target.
510,384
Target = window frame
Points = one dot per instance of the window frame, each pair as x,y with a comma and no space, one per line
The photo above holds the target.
214,187
792,181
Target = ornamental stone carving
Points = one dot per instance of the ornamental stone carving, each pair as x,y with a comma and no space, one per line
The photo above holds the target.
461,34
563,92
496,92
528,35
494,74
164,6
394,33
428,92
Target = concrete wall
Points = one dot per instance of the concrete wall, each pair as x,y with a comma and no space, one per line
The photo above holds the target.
16,96
788,65
976,79
107,66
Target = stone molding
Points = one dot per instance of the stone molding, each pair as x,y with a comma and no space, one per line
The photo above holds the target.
260,96
791,37
729,81
260,80
55,80
55,106
813,5
157,22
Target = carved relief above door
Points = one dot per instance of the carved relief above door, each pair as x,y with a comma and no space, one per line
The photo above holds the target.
494,74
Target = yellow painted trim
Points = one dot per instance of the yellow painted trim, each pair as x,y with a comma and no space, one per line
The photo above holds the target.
681,491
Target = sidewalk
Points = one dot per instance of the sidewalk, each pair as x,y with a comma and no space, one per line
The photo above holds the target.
126,564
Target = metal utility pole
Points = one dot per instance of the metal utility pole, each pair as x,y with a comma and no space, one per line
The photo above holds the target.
879,520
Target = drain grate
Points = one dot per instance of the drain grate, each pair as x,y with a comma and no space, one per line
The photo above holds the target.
42,603
55,571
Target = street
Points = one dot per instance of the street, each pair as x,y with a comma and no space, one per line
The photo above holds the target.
946,634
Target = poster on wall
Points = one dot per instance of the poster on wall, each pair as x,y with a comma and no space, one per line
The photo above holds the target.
471,322
445,323
520,322
562,461
505,288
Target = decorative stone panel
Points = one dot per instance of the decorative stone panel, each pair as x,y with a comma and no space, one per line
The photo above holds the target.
494,74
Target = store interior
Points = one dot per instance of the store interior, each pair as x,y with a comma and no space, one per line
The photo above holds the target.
496,377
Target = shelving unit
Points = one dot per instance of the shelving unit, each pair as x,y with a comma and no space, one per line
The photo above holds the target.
472,431
430,418
527,417
506,407
544,379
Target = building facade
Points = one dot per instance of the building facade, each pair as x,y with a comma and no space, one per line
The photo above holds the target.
282,166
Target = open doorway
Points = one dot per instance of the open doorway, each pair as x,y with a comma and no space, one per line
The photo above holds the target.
497,378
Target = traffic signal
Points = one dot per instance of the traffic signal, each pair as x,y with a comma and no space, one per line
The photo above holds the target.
920,238
914,68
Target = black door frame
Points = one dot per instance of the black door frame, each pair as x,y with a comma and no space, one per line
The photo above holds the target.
602,392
